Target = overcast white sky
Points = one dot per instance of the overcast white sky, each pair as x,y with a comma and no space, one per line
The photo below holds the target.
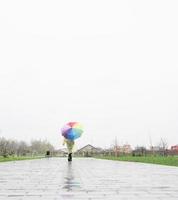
111,65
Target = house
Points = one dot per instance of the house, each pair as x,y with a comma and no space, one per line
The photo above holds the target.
155,148
61,152
126,149
122,150
174,148
88,151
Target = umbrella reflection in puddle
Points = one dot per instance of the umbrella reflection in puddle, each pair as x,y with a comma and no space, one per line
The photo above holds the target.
70,183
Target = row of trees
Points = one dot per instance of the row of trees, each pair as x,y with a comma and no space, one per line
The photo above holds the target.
20,148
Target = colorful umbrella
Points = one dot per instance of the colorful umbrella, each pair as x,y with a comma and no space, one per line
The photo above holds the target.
72,130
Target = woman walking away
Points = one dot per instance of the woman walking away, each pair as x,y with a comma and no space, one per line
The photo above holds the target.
71,131
70,145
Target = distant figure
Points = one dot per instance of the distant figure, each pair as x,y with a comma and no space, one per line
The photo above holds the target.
48,153
70,145
71,131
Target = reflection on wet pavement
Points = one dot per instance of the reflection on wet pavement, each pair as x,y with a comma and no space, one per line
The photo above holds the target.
69,179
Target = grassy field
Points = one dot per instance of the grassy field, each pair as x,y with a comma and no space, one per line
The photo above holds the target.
2,159
170,160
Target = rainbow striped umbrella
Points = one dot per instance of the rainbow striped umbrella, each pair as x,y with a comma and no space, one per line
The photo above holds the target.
72,130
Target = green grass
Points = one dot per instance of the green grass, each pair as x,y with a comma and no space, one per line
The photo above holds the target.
2,159
170,160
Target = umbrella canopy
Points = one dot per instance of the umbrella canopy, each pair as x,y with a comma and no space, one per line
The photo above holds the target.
72,130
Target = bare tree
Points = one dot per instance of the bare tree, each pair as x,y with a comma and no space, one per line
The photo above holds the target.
139,151
163,147
116,147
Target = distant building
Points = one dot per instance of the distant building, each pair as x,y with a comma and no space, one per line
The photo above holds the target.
88,150
155,148
174,148
61,152
126,149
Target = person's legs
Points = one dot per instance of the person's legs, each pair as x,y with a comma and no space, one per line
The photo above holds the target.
70,157
70,145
